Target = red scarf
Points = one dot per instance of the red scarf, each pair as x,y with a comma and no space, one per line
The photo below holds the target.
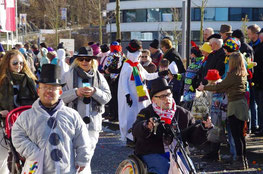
166,115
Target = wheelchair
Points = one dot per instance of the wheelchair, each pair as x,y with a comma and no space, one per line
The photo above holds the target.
180,162
132,165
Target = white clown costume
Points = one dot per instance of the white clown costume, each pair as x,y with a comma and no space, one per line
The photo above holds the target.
127,114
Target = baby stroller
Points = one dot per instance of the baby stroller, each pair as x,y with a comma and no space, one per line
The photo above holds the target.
16,160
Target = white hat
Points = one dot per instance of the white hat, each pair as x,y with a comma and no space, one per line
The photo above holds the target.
173,68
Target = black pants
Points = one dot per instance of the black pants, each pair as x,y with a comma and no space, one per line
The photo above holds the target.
113,104
236,127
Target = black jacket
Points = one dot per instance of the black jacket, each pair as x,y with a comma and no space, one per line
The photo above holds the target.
245,48
147,143
258,70
173,55
216,61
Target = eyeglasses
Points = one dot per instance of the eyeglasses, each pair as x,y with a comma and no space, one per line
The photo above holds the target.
81,59
168,95
15,63
51,88
144,56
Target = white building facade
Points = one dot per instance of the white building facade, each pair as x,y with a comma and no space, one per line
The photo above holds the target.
153,19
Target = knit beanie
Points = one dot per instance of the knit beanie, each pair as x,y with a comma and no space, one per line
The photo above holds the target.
238,34
155,44
232,45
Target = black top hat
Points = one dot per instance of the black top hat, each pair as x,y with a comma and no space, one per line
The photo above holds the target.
50,74
216,36
134,46
155,44
158,85
86,52
104,48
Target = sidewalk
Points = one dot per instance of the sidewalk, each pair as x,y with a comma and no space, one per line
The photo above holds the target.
254,155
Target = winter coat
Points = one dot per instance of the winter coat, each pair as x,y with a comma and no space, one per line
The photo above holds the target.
31,132
216,61
258,70
102,95
127,114
173,55
148,143
156,57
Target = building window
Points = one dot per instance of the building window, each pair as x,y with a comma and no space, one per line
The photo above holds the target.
248,12
129,16
257,14
196,14
141,15
153,15
138,15
221,14
166,14
235,14
209,14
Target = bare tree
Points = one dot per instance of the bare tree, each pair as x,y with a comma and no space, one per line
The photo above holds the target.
202,8
118,20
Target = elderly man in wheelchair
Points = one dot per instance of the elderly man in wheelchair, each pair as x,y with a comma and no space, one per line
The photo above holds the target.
154,138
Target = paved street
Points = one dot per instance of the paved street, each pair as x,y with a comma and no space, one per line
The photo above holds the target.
111,151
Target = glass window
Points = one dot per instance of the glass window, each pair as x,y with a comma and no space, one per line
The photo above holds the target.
195,36
166,14
248,12
141,15
153,15
196,14
235,14
126,36
257,14
177,14
221,14
209,14
129,15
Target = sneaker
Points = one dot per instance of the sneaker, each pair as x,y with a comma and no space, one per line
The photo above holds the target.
130,143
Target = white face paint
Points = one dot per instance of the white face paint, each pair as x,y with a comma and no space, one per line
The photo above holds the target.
134,57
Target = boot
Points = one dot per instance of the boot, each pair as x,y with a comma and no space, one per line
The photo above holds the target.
239,163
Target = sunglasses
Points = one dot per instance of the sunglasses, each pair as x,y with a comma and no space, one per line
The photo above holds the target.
144,56
81,59
15,63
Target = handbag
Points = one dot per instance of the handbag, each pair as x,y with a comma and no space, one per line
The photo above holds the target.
34,166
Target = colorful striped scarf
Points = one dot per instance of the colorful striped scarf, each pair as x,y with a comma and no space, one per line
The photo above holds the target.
138,80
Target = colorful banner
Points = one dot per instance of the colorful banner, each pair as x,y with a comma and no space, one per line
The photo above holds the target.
7,15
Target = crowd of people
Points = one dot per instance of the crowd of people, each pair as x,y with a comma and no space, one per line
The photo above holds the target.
68,93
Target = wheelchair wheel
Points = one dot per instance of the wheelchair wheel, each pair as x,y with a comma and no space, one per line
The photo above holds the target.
132,165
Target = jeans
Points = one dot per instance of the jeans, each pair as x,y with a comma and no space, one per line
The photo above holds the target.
231,141
259,101
252,107
156,163
237,127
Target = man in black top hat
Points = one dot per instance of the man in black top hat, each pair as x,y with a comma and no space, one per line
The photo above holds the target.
149,143
52,128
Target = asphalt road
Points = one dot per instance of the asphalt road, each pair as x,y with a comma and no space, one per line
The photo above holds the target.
110,151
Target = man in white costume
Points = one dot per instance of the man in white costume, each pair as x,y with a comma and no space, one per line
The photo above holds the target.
54,128
132,91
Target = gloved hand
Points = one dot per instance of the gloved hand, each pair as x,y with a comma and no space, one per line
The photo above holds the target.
128,100
163,73
178,76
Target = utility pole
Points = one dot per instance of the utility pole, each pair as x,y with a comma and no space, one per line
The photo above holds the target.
118,20
188,32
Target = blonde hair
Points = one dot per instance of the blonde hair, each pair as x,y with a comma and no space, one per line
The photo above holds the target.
166,43
236,63
94,64
5,68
